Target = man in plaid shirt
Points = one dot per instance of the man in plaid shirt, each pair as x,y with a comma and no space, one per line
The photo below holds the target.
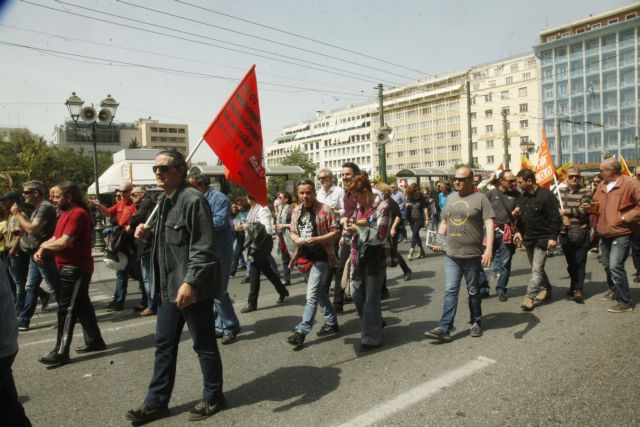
314,231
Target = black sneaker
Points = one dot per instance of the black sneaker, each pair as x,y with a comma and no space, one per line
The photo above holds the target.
23,326
248,309
45,302
327,330
282,297
54,360
204,409
146,413
296,340
407,276
476,330
438,334
368,347
502,297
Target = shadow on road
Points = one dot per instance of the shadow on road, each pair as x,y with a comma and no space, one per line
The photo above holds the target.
283,384
269,326
133,344
404,298
508,320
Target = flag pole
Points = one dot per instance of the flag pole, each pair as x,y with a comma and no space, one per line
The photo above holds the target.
555,180
155,209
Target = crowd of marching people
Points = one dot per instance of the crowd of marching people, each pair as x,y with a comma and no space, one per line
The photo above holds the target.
185,246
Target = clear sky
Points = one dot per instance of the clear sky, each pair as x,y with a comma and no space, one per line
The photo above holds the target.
176,70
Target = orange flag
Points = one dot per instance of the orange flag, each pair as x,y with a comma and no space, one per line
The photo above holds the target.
544,171
562,171
625,168
235,135
525,163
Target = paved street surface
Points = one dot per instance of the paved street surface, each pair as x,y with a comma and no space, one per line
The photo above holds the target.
562,364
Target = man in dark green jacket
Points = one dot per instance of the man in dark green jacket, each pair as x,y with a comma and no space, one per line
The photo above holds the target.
183,264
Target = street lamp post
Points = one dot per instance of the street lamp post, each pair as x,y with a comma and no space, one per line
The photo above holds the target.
527,147
89,116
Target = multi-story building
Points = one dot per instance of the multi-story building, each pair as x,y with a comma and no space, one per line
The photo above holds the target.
589,84
157,135
330,139
504,94
144,133
428,126
108,138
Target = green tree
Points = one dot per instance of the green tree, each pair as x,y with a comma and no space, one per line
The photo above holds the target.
276,184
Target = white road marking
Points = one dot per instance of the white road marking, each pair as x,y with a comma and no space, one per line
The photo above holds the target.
421,392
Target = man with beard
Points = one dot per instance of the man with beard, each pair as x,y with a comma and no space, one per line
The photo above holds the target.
71,247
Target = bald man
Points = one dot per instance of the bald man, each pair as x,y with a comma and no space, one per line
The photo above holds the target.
123,210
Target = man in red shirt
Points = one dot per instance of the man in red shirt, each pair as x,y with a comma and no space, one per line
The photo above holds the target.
71,245
123,210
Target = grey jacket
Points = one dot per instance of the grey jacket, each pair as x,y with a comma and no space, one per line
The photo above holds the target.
183,250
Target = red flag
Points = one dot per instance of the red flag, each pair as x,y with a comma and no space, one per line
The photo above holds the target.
544,171
235,135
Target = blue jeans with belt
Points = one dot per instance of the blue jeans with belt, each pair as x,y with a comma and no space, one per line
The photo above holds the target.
615,251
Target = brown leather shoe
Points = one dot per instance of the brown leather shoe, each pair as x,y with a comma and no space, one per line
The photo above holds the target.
578,296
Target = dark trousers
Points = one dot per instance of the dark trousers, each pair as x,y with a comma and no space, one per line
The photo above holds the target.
635,252
74,293
576,256
260,264
338,292
416,225
10,407
170,322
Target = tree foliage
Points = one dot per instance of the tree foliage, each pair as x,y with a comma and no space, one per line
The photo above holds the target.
295,158
27,157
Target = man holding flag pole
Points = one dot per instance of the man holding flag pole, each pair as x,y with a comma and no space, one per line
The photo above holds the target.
183,251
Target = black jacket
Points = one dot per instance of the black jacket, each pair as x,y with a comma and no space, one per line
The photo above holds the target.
539,216
183,249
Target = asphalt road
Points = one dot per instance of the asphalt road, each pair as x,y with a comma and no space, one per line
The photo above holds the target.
562,364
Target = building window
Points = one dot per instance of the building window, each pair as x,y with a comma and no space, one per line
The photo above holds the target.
473,116
473,100
487,97
154,129
526,76
509,80
474,131
488,128
488,114
489,144
524,124
524,108
474,146
413,152
504,95
476,86
492,83
490,159
475,160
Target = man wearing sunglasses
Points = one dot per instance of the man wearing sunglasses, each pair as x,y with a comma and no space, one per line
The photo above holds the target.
123,210
575,236
183,262
503,200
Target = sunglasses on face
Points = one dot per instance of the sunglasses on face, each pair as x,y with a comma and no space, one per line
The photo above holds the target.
161,168
27,193
574,176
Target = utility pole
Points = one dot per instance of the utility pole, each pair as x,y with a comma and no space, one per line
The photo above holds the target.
382,159
505,138
470,137
558,143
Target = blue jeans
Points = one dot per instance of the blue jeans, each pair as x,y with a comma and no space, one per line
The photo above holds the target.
501,266
367,301
454,269
170,322
317,295
46,269
145,271
615,251
19,269
225,319
122,282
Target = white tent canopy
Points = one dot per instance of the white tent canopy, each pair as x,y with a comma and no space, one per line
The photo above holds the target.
128,165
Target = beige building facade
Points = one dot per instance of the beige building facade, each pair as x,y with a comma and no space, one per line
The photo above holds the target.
330,139
504,94
158,135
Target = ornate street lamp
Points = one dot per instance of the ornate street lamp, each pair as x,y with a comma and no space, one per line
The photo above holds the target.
88,115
